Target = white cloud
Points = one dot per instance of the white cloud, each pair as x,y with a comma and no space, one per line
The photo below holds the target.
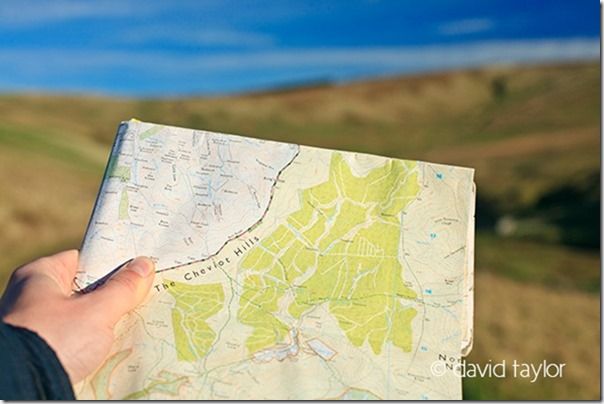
468,26
203,37
434,56
26,13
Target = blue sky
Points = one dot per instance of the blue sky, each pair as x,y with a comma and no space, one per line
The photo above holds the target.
168,48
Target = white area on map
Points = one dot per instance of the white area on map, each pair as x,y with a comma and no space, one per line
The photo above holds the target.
178,195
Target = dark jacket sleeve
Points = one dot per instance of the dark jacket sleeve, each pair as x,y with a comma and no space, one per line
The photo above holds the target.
29,368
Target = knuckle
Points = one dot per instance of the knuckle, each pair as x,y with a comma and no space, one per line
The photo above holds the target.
36,266
23,272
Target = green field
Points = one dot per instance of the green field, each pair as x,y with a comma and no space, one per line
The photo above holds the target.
532,133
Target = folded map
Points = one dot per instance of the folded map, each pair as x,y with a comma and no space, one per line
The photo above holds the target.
283,271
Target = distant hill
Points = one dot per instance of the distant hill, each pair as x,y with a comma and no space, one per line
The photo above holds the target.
524,129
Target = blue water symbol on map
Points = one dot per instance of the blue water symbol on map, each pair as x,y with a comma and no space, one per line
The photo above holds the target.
440,176
428,291
432,236
423,348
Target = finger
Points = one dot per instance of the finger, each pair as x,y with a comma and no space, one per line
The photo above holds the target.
123,291
60,268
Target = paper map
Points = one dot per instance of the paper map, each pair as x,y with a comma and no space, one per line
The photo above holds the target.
284,271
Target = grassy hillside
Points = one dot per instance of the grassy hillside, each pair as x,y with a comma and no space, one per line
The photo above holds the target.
532,133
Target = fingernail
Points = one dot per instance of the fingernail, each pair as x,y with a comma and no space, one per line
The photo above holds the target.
142,266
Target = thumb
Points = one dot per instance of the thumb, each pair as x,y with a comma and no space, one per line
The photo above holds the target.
123,291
